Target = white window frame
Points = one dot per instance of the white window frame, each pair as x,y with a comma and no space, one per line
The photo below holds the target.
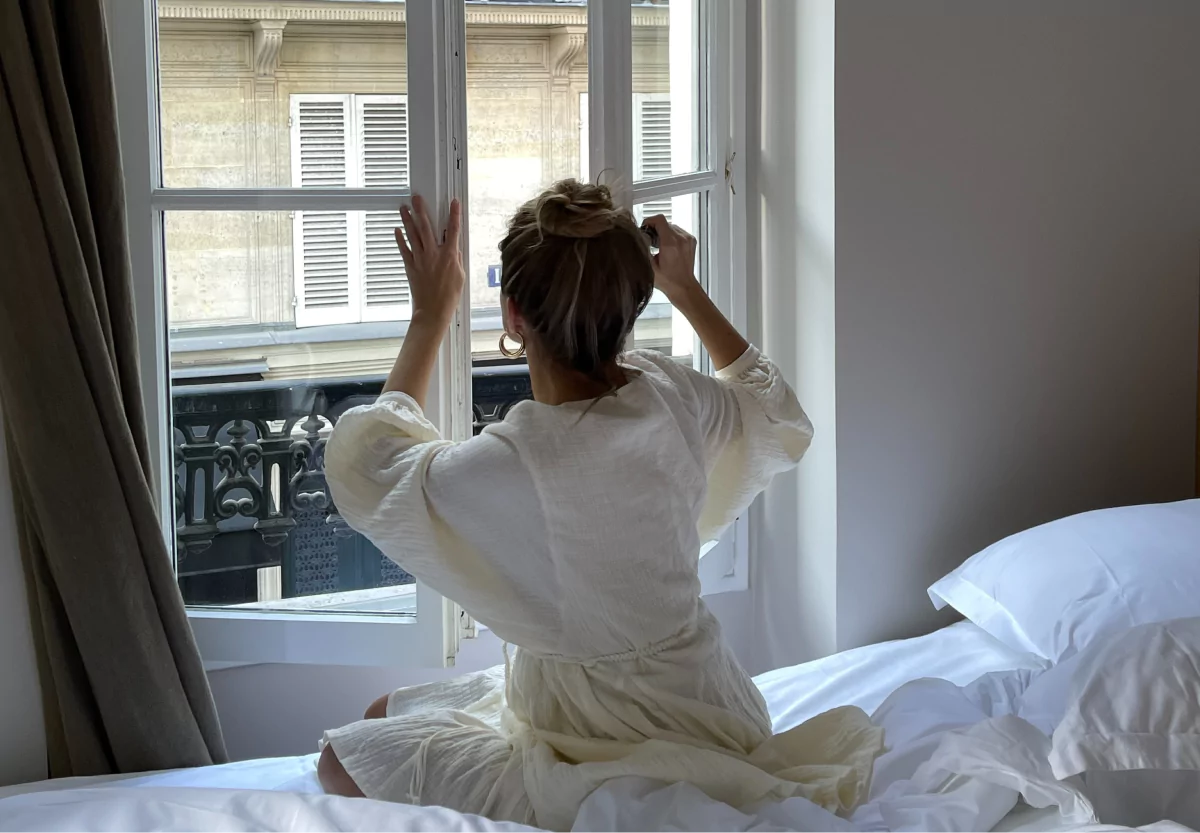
436,37
437,130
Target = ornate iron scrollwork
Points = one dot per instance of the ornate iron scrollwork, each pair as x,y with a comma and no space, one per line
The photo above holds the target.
251,455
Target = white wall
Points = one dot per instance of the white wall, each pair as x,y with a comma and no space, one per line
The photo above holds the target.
270,710
1014,310
22,736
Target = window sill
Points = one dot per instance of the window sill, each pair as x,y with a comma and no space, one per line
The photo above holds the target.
387,600
205,339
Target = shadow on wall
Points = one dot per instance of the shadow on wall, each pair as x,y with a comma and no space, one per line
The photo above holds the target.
795,566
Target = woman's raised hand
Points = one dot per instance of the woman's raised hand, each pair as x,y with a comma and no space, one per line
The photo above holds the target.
434,267
675,263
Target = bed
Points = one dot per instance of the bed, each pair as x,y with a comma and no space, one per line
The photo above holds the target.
864,677
968,711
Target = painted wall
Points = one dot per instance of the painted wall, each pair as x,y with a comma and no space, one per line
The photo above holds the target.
273,710
22,738
1014,302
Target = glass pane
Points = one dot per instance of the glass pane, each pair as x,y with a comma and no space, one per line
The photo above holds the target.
661,326
669,101
281,101
254,400
527,84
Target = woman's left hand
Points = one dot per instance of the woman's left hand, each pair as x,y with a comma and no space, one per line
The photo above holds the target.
434,269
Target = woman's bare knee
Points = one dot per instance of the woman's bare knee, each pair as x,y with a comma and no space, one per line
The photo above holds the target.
333,776
377,710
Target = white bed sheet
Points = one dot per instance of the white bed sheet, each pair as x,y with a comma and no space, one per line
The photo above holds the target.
863,677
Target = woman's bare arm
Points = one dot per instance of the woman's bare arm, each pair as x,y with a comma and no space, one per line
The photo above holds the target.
435,279
675,275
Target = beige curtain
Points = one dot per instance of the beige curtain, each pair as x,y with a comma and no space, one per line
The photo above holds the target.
124,686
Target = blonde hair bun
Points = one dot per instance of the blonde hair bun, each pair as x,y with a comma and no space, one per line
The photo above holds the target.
579,271
575,209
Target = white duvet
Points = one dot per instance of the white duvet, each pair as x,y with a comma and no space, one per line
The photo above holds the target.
959,758
951,766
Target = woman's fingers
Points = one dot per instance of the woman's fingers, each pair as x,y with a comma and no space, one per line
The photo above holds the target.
682,233
660,225
424,227
405,252
410,228
668,233
421,241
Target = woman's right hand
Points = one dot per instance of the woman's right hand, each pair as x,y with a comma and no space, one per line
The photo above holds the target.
434,268
675,263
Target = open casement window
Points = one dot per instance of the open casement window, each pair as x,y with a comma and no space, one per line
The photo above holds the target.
651,143
262,197
346,265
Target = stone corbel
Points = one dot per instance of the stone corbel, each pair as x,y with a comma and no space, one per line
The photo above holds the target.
567,43
268,40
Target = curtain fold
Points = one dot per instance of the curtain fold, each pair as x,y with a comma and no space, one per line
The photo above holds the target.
123,683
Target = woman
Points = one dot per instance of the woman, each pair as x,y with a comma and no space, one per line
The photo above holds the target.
572,530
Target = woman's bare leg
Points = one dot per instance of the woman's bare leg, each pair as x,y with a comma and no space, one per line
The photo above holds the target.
333,776
378,709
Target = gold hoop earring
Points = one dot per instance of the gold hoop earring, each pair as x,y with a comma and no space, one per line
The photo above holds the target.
509,353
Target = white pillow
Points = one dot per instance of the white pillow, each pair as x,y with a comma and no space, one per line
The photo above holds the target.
1132,728
1053,589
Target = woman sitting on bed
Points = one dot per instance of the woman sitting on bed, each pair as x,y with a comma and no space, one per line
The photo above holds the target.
572,530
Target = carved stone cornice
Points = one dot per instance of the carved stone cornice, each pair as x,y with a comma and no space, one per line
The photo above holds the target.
567,43
268,40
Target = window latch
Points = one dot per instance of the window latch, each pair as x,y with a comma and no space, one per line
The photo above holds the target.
729,172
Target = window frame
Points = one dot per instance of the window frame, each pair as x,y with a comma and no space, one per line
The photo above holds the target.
436,99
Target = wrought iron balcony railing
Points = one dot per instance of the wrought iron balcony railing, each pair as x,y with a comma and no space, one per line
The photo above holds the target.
250,490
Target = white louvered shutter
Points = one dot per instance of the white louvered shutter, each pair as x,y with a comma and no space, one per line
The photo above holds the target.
652,145
324,247
382,144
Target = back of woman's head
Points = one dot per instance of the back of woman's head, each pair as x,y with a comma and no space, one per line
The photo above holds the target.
579,272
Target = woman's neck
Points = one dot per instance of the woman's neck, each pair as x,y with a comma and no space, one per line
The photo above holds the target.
553,384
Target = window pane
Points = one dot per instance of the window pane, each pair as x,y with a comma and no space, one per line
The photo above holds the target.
527,84
669,57
281,101
254,400
661,326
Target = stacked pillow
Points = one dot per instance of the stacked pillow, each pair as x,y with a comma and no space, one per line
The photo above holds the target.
1124,714
1112,600
1053,589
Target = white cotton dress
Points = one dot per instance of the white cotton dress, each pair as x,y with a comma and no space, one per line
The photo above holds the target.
572,531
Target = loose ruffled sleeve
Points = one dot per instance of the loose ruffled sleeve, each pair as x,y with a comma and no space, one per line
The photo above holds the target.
396,481
753,428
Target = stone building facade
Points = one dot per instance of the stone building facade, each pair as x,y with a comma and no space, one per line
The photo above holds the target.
234,75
